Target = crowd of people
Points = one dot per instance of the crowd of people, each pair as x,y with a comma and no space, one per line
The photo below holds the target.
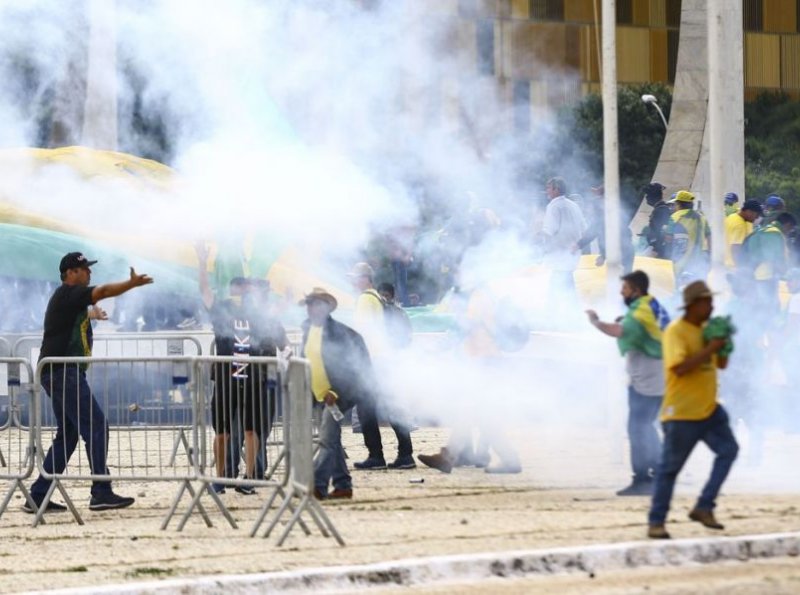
672,365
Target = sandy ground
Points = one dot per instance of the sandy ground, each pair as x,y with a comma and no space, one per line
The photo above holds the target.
564,497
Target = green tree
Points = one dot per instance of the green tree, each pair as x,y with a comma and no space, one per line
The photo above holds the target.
772,148
641,134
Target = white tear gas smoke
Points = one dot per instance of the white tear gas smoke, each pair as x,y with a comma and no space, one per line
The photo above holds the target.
311,123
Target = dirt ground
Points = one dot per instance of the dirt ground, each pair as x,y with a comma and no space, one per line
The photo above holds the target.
564,497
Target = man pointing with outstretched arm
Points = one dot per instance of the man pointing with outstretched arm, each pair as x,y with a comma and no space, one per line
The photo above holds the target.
68,333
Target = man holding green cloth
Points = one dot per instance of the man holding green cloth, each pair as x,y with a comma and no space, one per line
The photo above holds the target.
638,336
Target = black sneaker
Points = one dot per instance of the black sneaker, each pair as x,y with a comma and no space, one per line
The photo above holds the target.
218,488
245,490
110,501
371,464
51,507
403,462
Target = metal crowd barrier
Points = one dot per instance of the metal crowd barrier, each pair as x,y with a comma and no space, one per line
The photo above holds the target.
138,448
142,449
237,396
155,344
16,446
299,455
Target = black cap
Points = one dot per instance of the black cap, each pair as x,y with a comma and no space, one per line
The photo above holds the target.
751,204
75,260
654,189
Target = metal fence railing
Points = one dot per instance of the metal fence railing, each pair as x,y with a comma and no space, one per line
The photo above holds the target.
16,445
182,419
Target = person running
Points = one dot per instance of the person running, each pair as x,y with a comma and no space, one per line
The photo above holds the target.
690,412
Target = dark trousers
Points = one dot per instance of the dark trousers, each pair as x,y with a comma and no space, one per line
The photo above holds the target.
78,414
235,445
680,438
642,435
368,416
400,270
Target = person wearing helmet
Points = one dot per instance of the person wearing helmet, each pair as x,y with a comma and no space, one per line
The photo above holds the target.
774,205
688,236
731,203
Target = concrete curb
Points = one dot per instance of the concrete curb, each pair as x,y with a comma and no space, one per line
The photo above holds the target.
476,567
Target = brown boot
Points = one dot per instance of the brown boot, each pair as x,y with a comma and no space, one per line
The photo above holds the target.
657,532
442,461
705,518
341,494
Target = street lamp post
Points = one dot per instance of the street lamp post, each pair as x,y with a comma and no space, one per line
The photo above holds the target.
651,99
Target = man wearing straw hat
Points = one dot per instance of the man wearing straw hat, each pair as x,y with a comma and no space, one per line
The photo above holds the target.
341,376
690,412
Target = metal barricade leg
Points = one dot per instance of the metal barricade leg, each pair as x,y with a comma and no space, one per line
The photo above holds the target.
39,517
15,484
181,439
308,503
186,486
205,487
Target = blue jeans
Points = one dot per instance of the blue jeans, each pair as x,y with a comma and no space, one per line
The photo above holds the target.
680,438
78,414
330,464
644,441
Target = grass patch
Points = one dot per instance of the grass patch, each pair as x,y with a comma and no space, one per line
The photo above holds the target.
149,571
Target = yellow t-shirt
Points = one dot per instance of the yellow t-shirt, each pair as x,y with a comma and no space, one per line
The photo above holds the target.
320,385
736,230
369,321
694,395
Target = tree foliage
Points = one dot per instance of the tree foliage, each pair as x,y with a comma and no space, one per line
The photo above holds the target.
772,148
641,134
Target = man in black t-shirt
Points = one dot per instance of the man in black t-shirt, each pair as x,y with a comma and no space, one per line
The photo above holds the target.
242,395
68,333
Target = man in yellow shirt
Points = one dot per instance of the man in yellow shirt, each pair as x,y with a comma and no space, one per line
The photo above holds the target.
738,226
369,322
341,376
690,412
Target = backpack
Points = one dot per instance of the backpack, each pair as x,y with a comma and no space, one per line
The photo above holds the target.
398,325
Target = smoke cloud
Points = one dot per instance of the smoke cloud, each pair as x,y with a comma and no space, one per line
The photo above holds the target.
313,124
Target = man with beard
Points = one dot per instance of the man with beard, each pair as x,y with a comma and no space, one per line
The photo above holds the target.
638,335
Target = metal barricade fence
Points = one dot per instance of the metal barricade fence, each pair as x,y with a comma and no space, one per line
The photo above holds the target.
137,447
239,443
156,409
298,493
16,445
237,396
6,411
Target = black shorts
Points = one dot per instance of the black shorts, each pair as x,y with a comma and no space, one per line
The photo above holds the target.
238,403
